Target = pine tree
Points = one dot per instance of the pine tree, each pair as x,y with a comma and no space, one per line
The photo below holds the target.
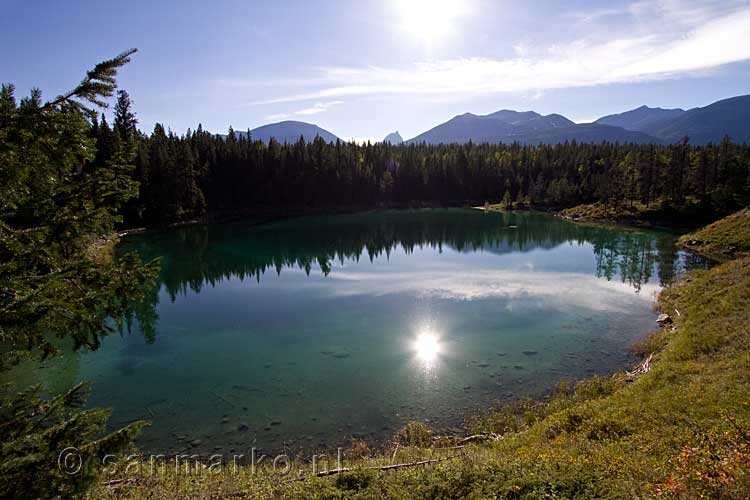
507,200
56,201
125,120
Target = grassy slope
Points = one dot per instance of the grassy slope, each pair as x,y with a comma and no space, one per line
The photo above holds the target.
688,216
602,212
724,239
682,430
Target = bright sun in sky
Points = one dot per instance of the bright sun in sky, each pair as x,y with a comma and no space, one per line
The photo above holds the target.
429,20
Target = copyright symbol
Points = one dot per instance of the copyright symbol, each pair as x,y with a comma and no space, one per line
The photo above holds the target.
69,461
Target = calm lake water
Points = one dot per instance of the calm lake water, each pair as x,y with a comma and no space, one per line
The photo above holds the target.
305,332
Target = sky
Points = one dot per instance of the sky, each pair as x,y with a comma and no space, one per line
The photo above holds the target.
364,68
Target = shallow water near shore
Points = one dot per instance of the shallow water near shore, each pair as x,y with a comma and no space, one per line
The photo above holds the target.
304,333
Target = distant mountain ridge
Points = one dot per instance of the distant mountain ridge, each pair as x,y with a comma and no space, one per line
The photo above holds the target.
642,125
640,118
527,127
728,117
289,131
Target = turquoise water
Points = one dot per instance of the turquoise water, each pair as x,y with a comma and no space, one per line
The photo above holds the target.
306,332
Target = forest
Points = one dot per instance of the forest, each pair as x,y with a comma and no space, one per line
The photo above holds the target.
185,176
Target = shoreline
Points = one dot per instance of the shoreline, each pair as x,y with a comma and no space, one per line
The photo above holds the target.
656,216
263,216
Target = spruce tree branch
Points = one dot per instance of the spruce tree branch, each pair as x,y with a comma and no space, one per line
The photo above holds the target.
99,82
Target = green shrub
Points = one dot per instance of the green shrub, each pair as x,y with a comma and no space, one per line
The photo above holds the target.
356,480
597,387
415,434
359,449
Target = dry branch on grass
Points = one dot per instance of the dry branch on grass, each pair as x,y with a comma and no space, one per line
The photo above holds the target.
644,367
481,437
341,470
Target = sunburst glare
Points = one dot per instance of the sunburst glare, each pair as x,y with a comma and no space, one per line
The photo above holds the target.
428,20
427,347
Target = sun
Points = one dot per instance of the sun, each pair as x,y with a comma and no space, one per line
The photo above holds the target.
429,20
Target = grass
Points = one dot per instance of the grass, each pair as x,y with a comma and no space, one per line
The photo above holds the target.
688,215
603,212
681,430
724,239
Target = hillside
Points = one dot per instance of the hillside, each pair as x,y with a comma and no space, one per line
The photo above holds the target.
724,239
289,131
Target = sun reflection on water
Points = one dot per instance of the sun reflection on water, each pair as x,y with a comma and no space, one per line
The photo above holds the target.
427,347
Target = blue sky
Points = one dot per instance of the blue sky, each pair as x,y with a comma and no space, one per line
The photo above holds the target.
363,68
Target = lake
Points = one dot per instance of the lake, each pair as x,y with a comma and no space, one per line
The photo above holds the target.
306,332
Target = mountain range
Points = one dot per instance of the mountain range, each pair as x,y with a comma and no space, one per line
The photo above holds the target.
643,125
526,127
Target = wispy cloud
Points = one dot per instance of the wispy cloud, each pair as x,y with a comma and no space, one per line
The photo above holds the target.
278,116
318,107
673,38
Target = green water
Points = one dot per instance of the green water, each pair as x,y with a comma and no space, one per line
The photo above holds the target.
303,333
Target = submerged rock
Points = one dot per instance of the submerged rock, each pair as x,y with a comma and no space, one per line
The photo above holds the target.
530,353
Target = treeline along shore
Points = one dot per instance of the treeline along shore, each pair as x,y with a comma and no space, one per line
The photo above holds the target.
184,177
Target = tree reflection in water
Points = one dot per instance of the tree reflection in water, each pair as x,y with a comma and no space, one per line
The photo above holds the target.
199,255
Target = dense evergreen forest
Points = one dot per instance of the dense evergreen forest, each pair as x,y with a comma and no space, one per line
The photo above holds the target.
182,177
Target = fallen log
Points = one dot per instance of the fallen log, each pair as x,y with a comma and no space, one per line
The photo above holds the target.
481,437
341,470
119,482
414,464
